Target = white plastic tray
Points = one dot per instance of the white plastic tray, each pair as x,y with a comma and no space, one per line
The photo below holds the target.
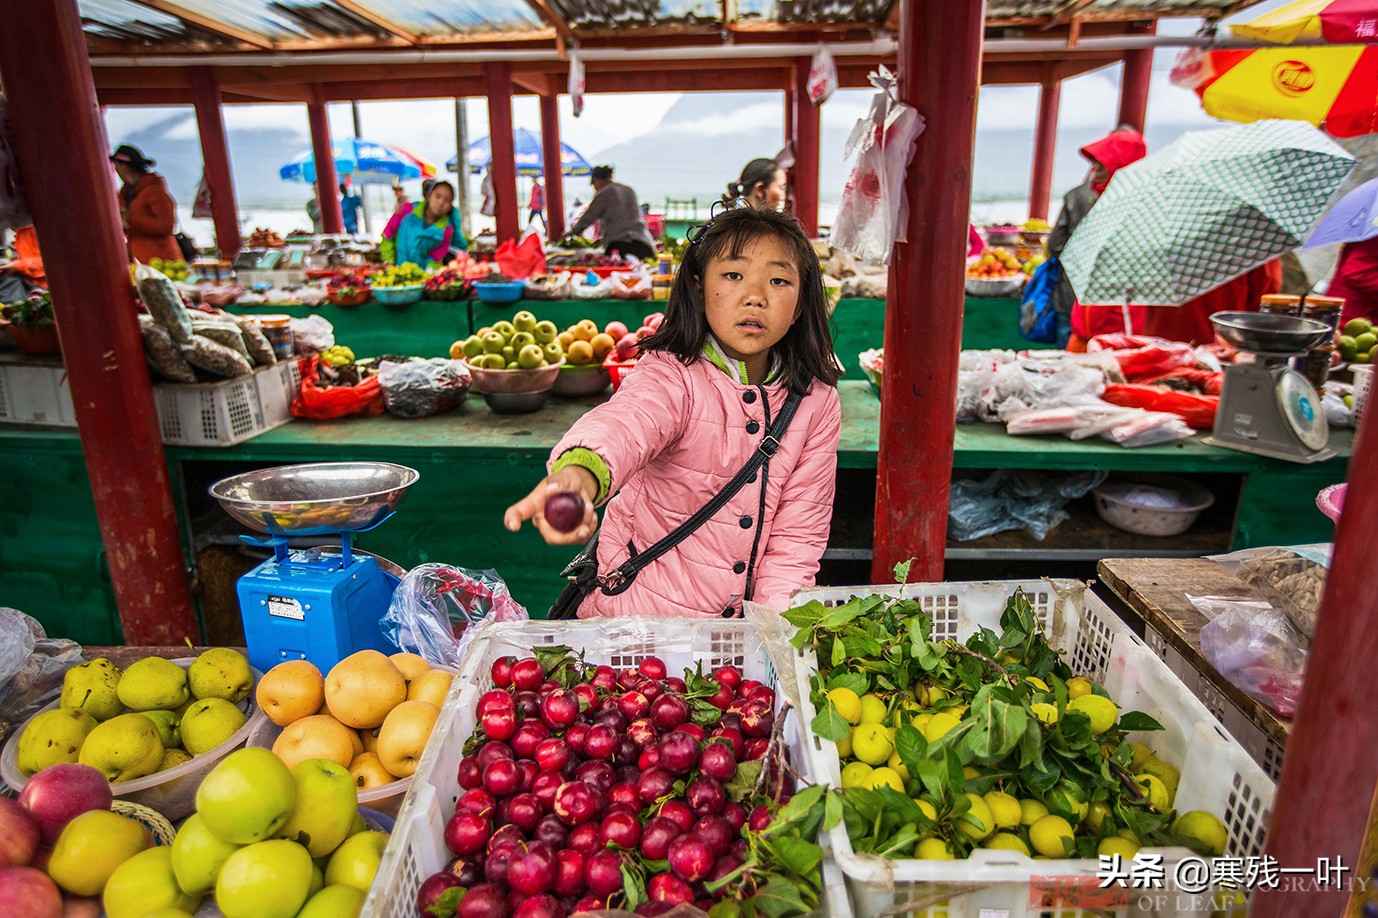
418,849
1217,774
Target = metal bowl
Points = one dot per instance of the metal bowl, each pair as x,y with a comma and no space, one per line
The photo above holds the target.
1263,333
516,402
574,382
514,382
318,498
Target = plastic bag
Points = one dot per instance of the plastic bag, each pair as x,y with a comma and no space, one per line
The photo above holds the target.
1197,411
337,401
1025,386
421,388
1292,578
1147,428
631,285
822,76
1142,358
216,358
874,207
437,609
163,301
975,376
31,666
1028,500
222,332
162,352
554,286
1258,651
312,334
586,291
1037,317
519,260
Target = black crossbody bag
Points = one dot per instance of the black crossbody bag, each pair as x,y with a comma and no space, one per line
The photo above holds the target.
582,572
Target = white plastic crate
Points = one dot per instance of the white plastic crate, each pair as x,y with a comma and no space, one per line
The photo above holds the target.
1217,774
227,412
1263,748
33,390
417,848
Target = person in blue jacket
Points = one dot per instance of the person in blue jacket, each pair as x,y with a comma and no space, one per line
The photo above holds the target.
424,233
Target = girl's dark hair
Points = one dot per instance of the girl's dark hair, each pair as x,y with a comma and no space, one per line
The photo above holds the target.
759,171
806,350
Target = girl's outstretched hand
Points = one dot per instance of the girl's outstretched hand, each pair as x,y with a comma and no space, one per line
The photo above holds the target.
532,506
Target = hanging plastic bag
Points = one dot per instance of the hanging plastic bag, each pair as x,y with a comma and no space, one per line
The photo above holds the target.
1037,317
1192,68
822,76
874,206
328,404
437,609
576,83
520,260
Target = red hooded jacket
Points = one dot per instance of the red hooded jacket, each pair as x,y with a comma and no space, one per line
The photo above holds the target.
1356,279
1114,151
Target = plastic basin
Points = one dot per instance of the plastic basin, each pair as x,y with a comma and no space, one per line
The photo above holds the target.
171,792
1159,506
399,296
499,293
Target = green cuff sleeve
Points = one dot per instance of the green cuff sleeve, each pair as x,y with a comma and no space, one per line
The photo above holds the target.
586,459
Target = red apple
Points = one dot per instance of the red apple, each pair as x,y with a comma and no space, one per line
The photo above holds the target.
18,834
28,893
653,320
60,792
628,347
644,331
615,330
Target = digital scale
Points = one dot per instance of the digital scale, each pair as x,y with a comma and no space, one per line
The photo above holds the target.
1266,407
324,603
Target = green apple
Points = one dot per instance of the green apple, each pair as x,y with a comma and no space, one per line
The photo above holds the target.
208,723
317,879
153,684
506,329
247,797
512,365
356,861
51,737
197,856
169,912
545,332
524,321
358,825
93,687
493,343
553,352
334,902
144,884
509,354
530,357
220,673
327,802
270,879
169,724
91,847
473,346
123,748
521,340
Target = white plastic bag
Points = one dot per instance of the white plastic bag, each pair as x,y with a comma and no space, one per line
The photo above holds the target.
874,207
822,76
1028,500
1257,650
438,609
312,334
31,665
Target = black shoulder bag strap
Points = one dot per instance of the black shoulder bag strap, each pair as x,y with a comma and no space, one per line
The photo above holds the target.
619,580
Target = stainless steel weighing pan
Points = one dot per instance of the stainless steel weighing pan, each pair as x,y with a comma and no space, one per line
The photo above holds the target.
1262,333
315,498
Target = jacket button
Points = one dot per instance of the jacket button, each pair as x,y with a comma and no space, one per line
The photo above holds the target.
739,567
752,426
745,522
749,396
729,612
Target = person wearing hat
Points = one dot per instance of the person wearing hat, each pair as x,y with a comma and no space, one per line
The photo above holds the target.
619,217
146,208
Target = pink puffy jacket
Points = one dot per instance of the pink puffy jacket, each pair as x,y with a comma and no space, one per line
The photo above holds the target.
672,437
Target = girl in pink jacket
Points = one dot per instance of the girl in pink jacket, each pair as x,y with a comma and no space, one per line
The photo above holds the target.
746,324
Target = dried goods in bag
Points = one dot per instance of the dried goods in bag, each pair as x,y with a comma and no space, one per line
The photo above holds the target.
164,302
260,348
226,333
162,352
205,354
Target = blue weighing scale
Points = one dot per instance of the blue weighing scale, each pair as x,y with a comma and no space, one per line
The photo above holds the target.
319,604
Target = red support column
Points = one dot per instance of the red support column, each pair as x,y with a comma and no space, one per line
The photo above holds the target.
215,155
1045,145
554,168
497,78
790,95
1138,68
1329,773
939,70
789,114
327,182
47,78
805,151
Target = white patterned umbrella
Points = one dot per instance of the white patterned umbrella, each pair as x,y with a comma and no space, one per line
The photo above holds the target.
1202,211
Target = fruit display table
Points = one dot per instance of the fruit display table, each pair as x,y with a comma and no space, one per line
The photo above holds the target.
1152,595
474,464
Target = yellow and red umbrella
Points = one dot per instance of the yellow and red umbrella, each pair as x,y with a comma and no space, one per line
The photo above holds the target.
1335,88
1334,21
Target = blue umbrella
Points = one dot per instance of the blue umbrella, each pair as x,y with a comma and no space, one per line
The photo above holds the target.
528,156
365,160
1354,218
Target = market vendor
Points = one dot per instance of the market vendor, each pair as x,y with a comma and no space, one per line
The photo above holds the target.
615,209
1191,322
1356,280
425,232
1107,156
147,210
745,332
762,183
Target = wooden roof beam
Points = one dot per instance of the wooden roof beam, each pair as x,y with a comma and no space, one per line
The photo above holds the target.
552,18
1068,14
208,23
382,22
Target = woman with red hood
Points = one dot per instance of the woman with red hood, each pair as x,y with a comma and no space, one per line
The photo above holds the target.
1108,155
